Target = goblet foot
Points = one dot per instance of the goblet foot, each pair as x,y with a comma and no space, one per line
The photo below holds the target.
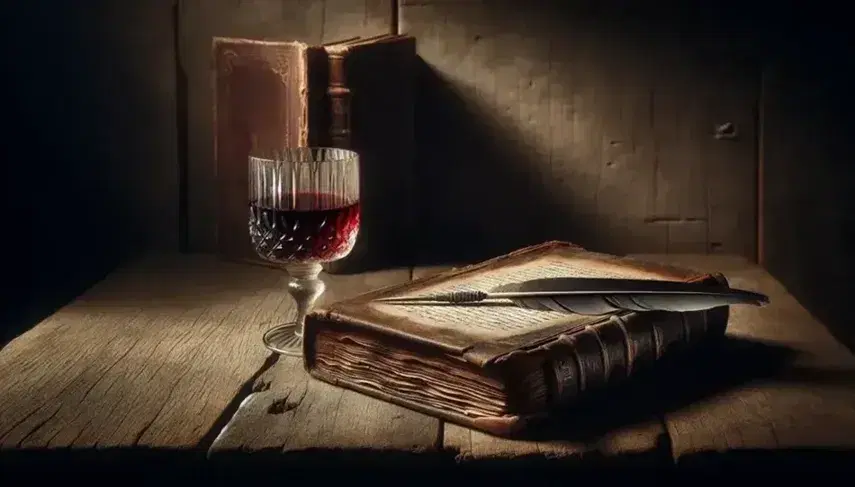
286,339
305,287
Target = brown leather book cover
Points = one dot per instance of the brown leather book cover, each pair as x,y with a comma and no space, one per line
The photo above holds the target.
497,369
354,94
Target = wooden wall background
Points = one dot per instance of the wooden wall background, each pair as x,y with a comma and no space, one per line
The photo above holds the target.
574,127
582,124
587,121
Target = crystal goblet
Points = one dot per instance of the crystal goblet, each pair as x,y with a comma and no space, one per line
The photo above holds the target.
303,211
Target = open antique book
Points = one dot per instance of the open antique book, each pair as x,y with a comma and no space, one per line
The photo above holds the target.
490,367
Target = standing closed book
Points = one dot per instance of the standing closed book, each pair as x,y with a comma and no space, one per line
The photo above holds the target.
495,368
355,94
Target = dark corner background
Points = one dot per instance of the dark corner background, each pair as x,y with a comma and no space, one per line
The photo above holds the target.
93,140
89,151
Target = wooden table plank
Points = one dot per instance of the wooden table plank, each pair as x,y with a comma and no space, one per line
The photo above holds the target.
642,442
291,413
796,385
156,354
151,356
635,439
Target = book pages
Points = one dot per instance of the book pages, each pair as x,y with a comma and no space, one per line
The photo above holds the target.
498,319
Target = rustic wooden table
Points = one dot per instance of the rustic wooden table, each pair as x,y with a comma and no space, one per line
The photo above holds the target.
165,356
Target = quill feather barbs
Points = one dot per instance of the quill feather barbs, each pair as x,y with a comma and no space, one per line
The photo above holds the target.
600,296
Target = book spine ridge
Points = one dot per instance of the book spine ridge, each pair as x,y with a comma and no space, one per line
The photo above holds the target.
339,98
604,354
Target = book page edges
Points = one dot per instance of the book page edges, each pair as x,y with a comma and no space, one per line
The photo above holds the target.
505,426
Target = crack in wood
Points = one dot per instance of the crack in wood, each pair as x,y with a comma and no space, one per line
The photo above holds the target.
285,404
665,443
38,425
229,411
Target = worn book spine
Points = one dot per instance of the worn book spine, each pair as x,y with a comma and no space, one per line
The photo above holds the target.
339,99
599,356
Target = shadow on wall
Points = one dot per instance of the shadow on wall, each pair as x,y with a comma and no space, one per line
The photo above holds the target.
809,210
477,194
574,153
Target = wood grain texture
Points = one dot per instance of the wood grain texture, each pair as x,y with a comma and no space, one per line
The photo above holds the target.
584,115
311,21
793,384
291,413
643,438
151,356
155,354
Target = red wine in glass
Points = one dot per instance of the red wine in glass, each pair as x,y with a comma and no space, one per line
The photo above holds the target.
303,211
314,227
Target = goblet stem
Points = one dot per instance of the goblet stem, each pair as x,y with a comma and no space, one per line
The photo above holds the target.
305,287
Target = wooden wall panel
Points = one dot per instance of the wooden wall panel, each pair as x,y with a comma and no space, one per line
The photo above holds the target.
591,126
312,21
